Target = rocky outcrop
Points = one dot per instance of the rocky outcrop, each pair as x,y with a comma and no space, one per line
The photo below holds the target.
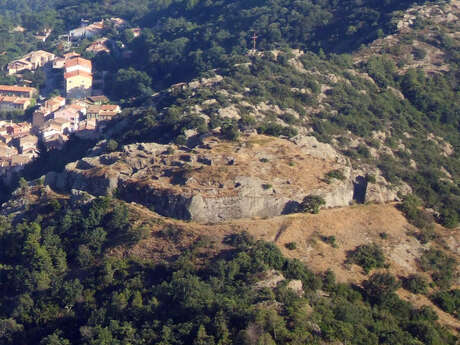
382,192
220,209
342,194
296,286
101,175
216,181
167,202
311,146
79,197
270,279
95,180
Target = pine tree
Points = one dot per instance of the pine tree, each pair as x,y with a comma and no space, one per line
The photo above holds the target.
202,338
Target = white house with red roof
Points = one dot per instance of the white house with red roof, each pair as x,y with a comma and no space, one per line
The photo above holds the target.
78,77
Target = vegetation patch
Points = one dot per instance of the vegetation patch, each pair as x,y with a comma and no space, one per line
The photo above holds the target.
311,204
415,284
334,174
411,207
368,256
64,288
449,301
441,266
331,240
291,245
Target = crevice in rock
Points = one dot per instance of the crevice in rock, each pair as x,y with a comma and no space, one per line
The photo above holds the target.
360,189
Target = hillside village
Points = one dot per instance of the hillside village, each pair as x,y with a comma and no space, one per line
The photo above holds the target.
82,110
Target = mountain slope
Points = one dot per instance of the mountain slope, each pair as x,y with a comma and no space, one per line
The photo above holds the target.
85,259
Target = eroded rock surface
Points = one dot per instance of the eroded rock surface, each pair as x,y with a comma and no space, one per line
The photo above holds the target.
258,176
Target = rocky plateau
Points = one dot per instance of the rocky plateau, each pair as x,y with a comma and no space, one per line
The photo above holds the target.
219,180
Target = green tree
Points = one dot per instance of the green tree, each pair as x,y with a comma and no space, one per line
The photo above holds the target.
8,327
55,339
311,204
131,83
202,338
230,131
415,284
222,331
111,145
23,185
368,256
380,287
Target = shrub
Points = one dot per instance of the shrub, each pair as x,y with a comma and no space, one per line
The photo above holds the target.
449,218
247,121
383,235
415,284
417,217
441,265
289,118
171,233
242,240
381,286
291,245
276,130
329,280
137,234
230,132
111,145
373,143
419,53
367,256
370,178
335,174
448,301
330,240
426,234
180,140
312,204
425,313
363,151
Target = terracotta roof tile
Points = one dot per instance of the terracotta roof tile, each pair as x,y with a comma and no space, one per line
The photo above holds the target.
15,88
78,61
15,100
75,73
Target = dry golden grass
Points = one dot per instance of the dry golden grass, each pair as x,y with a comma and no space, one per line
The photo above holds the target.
351,227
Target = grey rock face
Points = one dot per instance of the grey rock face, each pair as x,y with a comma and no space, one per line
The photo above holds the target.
79,197
215,210
380,193
311,146
165,202
200,184
341,195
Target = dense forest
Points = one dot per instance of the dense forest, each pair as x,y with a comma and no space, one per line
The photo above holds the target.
186,37
60,286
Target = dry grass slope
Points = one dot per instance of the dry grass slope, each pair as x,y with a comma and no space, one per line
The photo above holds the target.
351,227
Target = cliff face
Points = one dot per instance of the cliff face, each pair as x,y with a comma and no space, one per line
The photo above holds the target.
250,200
258,176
